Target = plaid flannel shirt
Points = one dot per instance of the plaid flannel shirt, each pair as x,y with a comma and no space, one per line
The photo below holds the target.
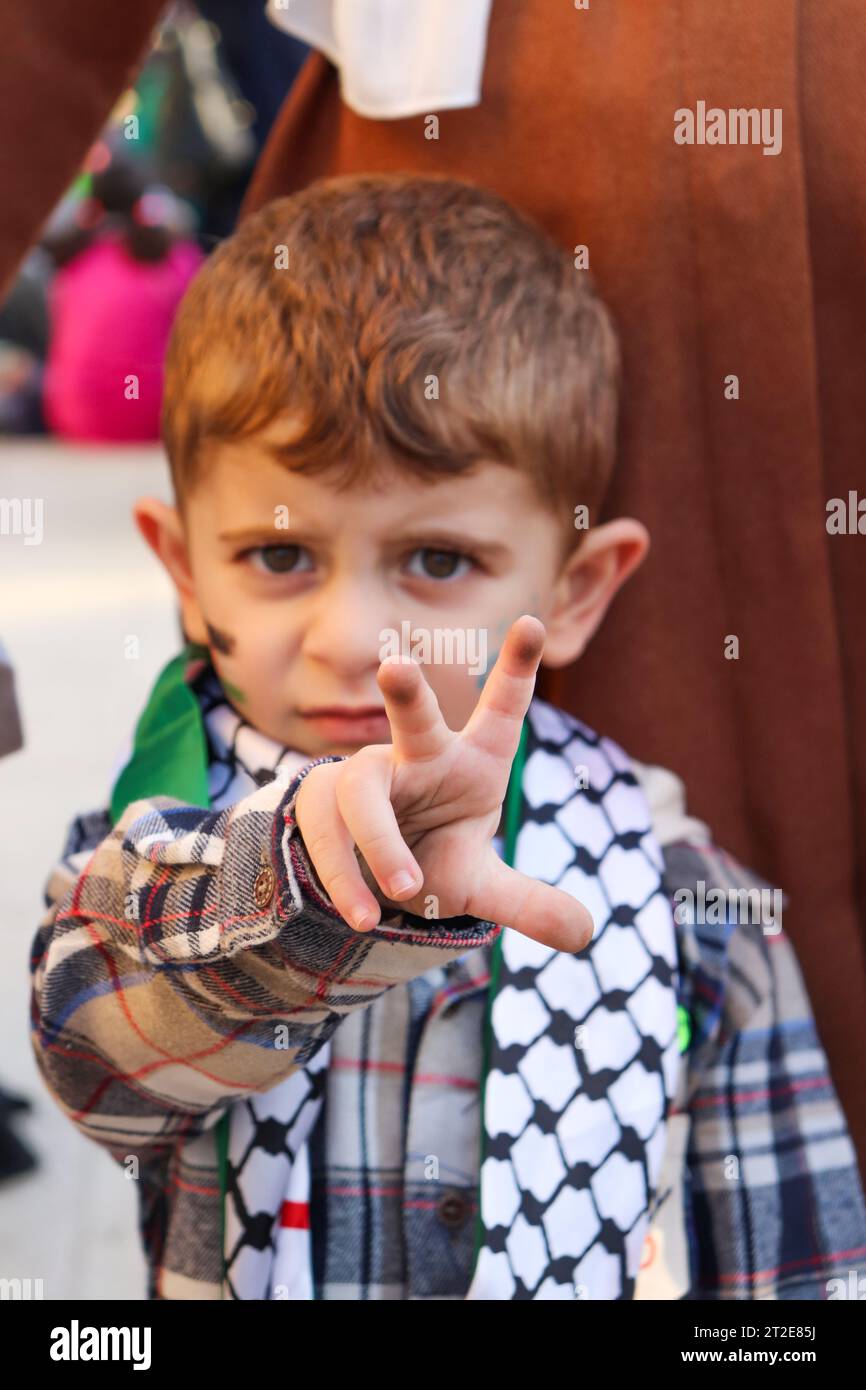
157,980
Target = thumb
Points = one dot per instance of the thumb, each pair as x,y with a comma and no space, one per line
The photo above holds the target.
537,910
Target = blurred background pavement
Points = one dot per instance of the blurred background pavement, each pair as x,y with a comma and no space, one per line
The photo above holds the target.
68,607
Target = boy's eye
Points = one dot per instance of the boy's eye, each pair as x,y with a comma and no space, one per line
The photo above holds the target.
276,559
441,564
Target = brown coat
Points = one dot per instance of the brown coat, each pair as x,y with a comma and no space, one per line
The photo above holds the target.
715,260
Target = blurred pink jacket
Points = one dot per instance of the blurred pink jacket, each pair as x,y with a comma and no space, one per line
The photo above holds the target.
110,321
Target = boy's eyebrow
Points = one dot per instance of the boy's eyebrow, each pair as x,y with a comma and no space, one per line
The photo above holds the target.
429,536
251,533
453,540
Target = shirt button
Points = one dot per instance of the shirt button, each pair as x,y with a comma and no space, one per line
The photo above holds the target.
453,1209
263,891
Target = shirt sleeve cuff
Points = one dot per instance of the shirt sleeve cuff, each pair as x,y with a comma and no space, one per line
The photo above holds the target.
298,884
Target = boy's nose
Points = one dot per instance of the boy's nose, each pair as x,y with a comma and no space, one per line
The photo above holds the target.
344,631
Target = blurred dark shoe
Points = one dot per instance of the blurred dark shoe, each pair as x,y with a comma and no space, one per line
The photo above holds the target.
11,1104
15,1157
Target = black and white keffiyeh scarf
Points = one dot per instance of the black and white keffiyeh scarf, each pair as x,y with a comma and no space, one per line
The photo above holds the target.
582,1053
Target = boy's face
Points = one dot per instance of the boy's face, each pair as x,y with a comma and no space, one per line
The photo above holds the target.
300,590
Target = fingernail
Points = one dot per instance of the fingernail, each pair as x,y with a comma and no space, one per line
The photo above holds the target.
360,918
400,883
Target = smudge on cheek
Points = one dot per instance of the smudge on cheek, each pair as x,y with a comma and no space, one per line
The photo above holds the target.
221,641
500,632
233,691
224,643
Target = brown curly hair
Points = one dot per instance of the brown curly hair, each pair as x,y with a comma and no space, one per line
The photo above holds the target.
418,320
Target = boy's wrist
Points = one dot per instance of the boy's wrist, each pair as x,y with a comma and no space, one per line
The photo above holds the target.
300,867
302,872
303,867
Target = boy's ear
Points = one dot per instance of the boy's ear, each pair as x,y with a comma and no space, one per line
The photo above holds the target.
162,529
588,584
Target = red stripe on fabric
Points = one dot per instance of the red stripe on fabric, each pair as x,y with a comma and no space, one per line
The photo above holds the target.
710,992
325,980
421,1204
433,1079
85,918
447,939
786,1090
398,1069
425,1204
79,889
169,1059
339,1190
158,884
371,982
74,911
202,1188
352,1064
295,1216
208,973
792,1264
454,991
131,1078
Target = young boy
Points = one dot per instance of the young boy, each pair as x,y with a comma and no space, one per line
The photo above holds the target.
371,975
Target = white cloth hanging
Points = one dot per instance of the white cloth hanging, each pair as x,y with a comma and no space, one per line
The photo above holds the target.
395,57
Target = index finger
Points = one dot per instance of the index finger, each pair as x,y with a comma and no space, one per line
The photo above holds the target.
418,731
495,723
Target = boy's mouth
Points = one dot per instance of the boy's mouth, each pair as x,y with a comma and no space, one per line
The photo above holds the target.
364,722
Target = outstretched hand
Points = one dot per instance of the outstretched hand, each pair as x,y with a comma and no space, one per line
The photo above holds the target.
423,810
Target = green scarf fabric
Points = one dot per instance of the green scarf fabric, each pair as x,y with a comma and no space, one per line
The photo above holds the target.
169,752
